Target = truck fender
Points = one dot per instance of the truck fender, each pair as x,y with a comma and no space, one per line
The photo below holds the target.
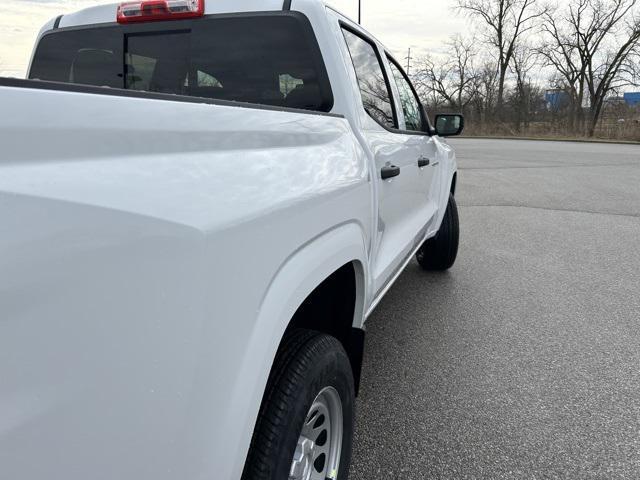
448,171
294,281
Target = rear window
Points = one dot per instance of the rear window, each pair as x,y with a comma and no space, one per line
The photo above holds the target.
266,59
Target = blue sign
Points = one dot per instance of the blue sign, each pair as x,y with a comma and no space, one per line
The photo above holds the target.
556,99
632,98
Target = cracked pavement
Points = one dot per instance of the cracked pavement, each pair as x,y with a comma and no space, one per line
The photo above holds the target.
523,361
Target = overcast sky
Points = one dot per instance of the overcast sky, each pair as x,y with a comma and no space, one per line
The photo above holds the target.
422,25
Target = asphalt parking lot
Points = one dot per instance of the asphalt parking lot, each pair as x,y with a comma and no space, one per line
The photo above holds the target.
523,361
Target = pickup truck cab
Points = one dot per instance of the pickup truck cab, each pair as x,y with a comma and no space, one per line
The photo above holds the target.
201,202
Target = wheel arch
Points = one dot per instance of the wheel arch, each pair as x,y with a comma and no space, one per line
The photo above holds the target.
318,266
332,308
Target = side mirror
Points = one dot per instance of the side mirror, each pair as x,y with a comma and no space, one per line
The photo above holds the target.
449,125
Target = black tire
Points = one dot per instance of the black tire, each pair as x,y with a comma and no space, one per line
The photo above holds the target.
306,363
440,252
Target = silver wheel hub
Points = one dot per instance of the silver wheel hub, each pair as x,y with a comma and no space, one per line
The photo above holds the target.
302,459
317,454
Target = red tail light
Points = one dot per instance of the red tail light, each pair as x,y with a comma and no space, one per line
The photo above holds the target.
155,10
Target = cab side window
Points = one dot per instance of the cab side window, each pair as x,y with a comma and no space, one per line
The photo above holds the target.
376,96
410,104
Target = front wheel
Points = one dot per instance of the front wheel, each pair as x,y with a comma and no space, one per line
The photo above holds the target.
440,252
305,426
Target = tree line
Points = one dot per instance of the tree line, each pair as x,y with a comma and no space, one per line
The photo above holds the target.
534,68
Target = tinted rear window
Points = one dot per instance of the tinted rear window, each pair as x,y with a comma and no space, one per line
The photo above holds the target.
269,59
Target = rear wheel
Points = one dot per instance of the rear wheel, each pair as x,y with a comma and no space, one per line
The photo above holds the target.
440,252
305,426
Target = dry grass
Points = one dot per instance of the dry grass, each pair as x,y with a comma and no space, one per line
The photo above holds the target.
607,131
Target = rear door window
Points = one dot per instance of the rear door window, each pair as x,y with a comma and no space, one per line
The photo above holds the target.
376,96
271,59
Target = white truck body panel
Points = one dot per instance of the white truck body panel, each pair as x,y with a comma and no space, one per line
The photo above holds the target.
153,253
115,254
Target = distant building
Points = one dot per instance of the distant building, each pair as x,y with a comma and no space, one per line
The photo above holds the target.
556,99
632,99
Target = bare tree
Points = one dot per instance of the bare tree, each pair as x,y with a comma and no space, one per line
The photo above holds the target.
591,48
524,61
506,21
463,70
560,51
450,81
485,87
432,79
591,44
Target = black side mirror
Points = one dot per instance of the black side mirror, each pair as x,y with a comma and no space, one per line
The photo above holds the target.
449,125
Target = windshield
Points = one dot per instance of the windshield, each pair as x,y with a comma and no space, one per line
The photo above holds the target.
265,59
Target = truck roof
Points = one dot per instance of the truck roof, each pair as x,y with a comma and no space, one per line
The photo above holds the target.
107,13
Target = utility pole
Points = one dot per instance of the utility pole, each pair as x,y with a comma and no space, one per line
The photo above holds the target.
359,12
409,58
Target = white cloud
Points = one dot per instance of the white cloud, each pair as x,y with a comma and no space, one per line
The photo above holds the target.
423,25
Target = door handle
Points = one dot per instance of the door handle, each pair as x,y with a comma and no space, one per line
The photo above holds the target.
390,171
423,162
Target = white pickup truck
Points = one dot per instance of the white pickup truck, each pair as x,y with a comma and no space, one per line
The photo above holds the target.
200,205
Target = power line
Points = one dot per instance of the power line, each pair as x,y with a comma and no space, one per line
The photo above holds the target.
409,58
359,12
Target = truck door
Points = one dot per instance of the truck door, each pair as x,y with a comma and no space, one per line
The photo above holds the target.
403,207
423,145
